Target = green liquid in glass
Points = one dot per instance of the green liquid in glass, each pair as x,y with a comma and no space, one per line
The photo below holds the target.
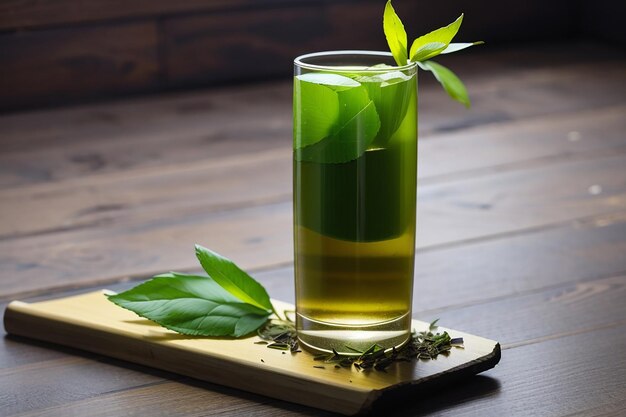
354,209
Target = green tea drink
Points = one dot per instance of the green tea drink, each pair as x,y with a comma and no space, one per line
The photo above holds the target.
355,157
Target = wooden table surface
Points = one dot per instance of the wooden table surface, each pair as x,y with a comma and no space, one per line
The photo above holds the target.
521,234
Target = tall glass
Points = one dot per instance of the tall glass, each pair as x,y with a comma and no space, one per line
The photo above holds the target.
355,179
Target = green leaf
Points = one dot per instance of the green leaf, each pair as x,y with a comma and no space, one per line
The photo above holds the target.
347,144
233,279
335,82
356,117
391,93
351,103
315,110
395,34
324,104
442,36
455,47
427,51
192,305
450,82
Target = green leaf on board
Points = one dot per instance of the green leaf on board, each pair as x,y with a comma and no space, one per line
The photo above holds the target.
395,34
438,39
455,47
450,82
192,305
234,280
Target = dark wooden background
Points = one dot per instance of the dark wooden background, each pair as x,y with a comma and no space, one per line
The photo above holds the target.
69,51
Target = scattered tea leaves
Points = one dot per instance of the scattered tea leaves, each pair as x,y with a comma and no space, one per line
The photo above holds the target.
282,333
425,345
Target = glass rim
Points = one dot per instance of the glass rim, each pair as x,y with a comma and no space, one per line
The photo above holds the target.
298,61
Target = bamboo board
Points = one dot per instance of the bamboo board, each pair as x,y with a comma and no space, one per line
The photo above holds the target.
92,323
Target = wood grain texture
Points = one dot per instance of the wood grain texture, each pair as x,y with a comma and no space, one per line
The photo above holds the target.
64,64
456,211
550,20
26,14
502,267
569,311
54,145
262,177
189,51
250,45
555,378
104,328
30,384
191,398
538,265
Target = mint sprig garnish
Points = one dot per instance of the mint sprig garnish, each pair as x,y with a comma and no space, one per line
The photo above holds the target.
227,302
424,48
395,34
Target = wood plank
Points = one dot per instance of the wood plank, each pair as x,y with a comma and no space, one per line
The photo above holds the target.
570,310
540,315
499,268
250,44
64,143
549,19
259,34
492,269
557,377
52,66
25,14
92,323
28,387
51,145
615,408
256,237
265,176
191,398
520,143
583,252
14,352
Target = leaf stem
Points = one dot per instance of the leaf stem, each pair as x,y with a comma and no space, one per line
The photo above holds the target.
276,312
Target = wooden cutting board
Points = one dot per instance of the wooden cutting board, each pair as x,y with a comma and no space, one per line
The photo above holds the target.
92,323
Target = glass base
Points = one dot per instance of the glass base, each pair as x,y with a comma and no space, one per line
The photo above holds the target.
319,336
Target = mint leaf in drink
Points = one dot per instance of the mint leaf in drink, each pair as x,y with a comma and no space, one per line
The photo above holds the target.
192,305
395,34
327,103
335,82
348,143
391,93
318,112
450,82
234,280
355,127
431,44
